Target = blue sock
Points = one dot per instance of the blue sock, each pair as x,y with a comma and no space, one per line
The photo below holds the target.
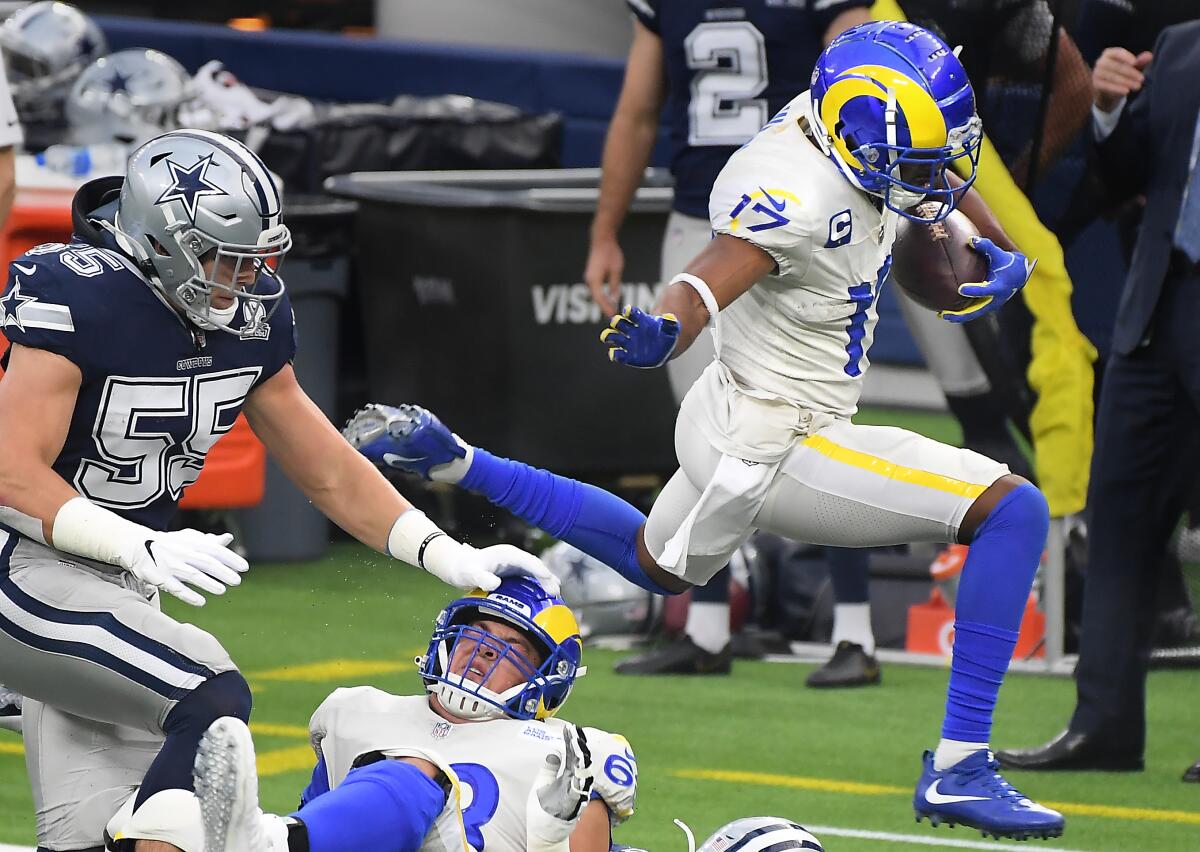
600,524
387,806
995,584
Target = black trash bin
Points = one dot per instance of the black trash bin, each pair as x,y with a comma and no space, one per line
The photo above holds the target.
475,306
285,525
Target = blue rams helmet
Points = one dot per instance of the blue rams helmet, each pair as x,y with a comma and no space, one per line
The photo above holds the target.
542,617
757,834
891,105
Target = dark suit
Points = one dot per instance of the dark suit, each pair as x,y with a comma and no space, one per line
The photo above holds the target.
1150,403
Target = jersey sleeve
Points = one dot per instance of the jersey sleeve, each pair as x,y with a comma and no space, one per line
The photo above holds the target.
754,201
826,13
35,310
645,11
616,773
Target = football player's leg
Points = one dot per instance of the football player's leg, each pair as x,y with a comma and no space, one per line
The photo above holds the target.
78,639
80,772
865,485
853,662
385,806
597,522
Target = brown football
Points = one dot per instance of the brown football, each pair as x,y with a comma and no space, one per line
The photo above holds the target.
931,260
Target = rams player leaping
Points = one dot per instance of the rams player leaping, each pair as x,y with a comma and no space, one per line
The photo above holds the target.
804,217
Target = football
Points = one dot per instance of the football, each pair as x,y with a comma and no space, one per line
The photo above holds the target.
930,260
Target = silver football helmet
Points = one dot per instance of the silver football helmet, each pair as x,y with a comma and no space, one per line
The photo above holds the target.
201,213
127,97
604,602
754,834
46,46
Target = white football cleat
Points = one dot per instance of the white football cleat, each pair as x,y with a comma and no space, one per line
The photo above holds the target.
226,782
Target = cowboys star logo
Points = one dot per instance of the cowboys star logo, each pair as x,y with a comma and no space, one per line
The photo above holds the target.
10,306
189,185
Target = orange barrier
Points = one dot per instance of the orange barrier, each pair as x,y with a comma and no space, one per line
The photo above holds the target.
931,629
235,470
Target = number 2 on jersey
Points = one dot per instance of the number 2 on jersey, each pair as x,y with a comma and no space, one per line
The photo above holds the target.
730,61
485,798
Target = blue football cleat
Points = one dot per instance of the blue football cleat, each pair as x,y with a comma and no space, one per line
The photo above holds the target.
974,793
405,437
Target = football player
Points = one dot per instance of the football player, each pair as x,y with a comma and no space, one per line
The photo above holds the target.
479,758
804,217
722,68
134,347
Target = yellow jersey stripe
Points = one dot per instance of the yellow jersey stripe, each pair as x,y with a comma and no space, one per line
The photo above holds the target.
891,470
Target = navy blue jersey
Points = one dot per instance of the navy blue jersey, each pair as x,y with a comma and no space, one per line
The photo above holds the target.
730,66
157,392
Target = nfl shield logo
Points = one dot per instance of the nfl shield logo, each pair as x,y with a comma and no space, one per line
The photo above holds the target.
440,731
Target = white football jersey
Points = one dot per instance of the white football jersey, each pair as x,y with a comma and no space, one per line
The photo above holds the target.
496,761
801,333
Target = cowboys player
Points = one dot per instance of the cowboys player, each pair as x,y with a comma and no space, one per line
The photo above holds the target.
479,758
133,349
804,218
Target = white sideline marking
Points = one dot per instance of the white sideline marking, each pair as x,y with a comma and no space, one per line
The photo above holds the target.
6,848
912,839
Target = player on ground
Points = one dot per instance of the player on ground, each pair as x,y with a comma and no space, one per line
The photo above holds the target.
805,217
478,758
133,349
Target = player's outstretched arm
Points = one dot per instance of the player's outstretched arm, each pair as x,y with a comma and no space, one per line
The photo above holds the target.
725,269
354,495
37,401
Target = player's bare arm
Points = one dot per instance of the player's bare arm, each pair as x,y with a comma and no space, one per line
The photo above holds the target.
37,398
729,266
627,147
726,268
977,210
592,833
353,494
340,482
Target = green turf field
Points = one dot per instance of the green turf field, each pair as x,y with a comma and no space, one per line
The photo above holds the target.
709,750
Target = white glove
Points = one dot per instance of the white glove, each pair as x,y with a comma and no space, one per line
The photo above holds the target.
165,560
168,560
559,795
616,773
417,540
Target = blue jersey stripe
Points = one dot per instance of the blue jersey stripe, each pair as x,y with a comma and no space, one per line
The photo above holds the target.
105,620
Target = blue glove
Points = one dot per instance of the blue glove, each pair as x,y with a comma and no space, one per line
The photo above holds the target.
639,339
1007,273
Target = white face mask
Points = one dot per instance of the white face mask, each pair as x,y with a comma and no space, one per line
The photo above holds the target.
904,198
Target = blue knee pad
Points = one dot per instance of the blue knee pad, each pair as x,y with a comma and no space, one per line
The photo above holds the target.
386,806
226,694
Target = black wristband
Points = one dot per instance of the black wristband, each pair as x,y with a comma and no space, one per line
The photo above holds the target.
425,544
297,835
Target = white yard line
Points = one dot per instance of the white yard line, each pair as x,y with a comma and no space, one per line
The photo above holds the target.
909,839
